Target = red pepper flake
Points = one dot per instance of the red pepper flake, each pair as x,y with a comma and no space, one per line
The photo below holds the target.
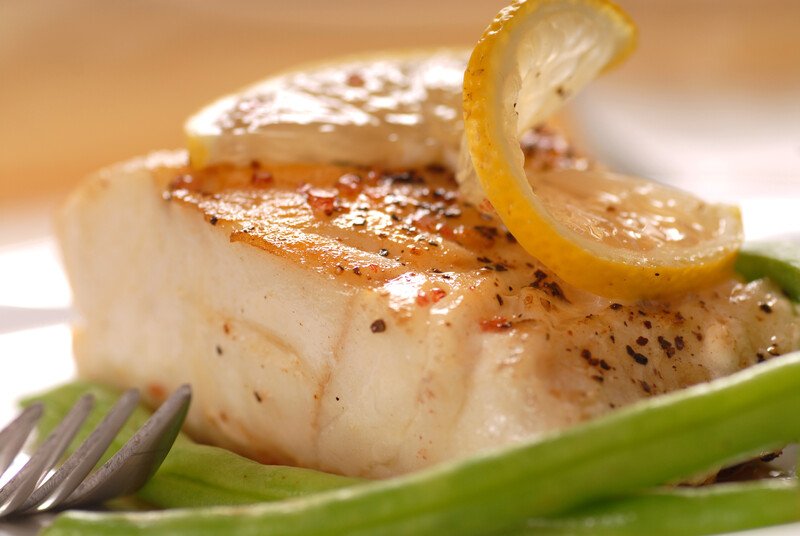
379,326
157,391
432,296
496,324
350,183
261,178
355,80
321,200
181,182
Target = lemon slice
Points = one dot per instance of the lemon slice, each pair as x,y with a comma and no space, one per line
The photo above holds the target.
612,235
391,109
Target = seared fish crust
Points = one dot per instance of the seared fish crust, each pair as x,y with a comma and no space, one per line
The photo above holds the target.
370,322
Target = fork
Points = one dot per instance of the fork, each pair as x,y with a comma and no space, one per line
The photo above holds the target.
37,487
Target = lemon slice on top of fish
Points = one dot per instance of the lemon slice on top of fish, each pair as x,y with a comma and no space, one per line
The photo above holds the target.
613,235
398,109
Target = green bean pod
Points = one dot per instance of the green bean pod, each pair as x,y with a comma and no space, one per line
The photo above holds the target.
716,509
660,440
191,475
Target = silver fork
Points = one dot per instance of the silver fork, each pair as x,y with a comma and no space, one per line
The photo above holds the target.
36,488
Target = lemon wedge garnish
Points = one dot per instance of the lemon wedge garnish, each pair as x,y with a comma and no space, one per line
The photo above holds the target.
397,109
613,235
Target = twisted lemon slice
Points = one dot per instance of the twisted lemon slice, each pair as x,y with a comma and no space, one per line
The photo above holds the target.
613,235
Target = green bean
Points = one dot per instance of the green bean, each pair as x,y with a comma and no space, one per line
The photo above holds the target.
716,509
186,478
660,440
778,260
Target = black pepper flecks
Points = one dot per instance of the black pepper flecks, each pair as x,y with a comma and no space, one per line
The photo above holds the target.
379,326
666,346
555,291
639,358
540,276
642,341
487,231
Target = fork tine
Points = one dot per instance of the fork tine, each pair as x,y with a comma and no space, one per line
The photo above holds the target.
134,464
17,490
13,436
83,460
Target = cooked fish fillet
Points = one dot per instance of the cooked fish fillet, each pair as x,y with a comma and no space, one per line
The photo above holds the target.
369,323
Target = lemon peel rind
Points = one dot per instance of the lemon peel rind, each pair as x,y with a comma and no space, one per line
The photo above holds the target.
574,259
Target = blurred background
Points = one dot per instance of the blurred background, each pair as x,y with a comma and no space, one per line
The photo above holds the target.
710,101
